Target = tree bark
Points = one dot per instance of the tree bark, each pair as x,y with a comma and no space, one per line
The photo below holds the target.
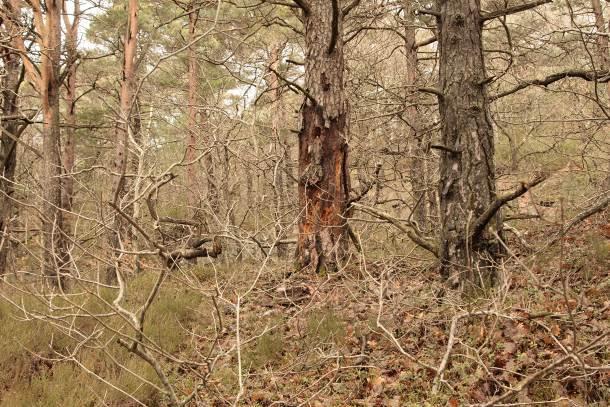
69,140
467,174
54,258
280,175
191,142
123,128
418,159
10,83
323,150
603,53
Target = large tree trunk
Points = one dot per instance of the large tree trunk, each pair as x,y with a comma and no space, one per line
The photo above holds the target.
10,128
603,53
467,184
323,173
54,259
122,130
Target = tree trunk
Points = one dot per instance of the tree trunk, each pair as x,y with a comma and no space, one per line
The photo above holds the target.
191,142
10,128
280,176
69,152
213,189
54,258
417,144
603,53
467,184
323,150
123,128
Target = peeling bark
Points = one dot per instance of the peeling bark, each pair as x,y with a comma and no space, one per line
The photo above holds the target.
323,150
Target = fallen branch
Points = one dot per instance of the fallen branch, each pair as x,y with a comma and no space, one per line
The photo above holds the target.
443,365
173,258
600,206
541,373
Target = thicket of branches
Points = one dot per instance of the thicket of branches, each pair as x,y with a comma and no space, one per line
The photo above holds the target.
199,198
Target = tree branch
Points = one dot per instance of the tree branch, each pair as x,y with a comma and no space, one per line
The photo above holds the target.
334,34
481,222
350,7
409,231
425,42
600,206
598,76
303,5
512,10
296,86
434,91
434,13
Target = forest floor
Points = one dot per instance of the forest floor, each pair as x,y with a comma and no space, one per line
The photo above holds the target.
335,340
381,332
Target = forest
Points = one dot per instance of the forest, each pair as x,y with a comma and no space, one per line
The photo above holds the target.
304,203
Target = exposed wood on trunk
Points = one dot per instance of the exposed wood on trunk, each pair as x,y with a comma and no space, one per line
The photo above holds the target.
323,150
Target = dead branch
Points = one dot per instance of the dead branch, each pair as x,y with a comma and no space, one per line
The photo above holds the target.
541,373
590,76
411,231
513,10
481,222
600,206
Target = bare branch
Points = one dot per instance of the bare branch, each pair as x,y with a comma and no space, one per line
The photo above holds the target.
303,5
334,36
427,41
481,222
433,91
513,10
409,231
591,76
350,7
